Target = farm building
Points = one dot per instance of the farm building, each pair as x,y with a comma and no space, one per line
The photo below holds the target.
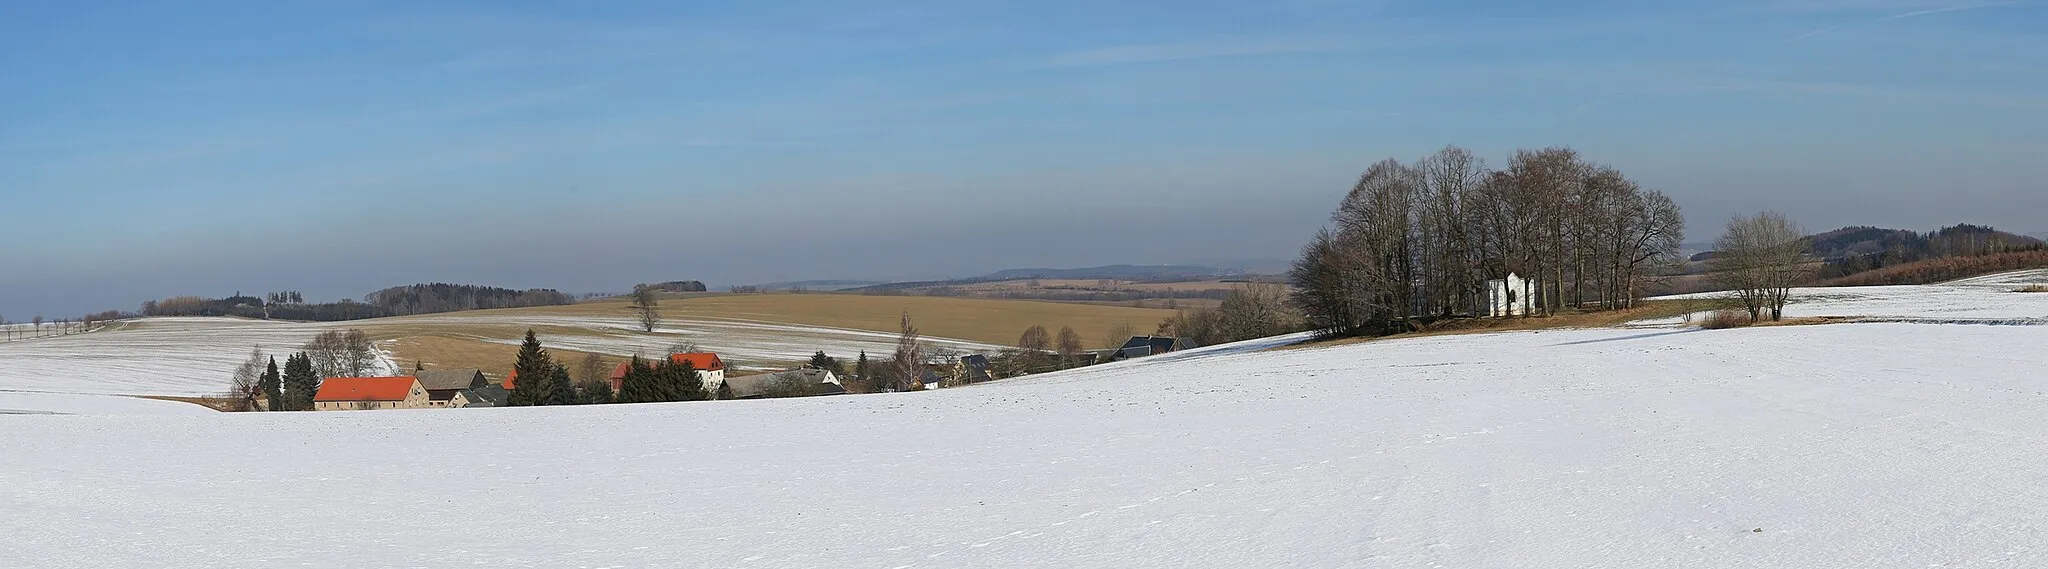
490,395
364,393
1511,296
710,369
812,380
975,369
443,384
1141,346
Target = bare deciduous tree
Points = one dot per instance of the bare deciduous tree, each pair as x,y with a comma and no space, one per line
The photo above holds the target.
1069,346
1035,338
591,368
247,382
343,353
908,360
1759,259
1118,334
647,307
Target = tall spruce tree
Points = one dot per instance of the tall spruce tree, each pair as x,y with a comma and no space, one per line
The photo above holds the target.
825,362
300,382
534,369
559,390
860,366
724,391
273,387
688,386
638,386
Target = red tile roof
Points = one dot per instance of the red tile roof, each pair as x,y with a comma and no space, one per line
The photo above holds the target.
704,361
366,389
509,377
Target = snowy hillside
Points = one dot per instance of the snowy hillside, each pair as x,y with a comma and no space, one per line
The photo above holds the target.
1981,300
1847,445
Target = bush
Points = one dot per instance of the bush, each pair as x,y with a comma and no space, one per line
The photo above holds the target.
1723,319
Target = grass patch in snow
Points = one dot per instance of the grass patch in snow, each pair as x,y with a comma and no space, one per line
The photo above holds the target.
2032,288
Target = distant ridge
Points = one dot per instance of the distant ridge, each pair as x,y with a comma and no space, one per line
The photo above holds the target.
1137,273
822,285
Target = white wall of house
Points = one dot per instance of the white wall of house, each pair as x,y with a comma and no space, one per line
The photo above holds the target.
1510,296
711,379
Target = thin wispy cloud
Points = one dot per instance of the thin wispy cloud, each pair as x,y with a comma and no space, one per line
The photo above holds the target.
1900,16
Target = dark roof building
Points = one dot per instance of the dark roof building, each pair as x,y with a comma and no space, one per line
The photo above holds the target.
443,384
977,368
489,395
1141,346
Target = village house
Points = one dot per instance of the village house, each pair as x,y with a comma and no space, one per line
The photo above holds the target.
1509,296
710,370
1141,346
489,395
814,381
365,393
975,368
444,384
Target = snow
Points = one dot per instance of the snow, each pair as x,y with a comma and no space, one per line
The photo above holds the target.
190,356
34,403
151,356
1845,445
1982,300
735,339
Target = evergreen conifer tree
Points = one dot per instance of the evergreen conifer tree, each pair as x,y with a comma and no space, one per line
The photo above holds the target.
273,386
594,392
638,385
559,389
300,382
688,386
534,369
724,391
860,366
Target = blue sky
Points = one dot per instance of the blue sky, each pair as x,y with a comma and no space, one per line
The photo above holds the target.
151,149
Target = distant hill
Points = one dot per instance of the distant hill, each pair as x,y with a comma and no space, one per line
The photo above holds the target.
1160,273
825,285
1852,250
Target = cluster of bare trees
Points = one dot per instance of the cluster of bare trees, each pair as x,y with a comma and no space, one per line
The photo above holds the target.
1251,311
343,353
1422,239
1760,258
40,326
334,353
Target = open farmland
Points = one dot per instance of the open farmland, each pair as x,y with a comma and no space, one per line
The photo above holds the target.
195,356
988,321
1844,445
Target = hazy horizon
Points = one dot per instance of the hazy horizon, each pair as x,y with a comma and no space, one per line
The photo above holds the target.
155,150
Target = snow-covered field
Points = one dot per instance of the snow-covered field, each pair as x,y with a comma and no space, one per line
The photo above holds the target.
1981,300
196,356
152,356
743,340
1845,445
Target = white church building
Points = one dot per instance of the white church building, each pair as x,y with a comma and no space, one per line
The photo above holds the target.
1511,296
